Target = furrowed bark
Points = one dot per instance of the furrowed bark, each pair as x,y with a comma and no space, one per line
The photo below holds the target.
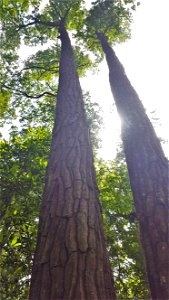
148,173
71,260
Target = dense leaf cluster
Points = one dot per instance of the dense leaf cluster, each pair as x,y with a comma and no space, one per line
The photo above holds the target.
23,162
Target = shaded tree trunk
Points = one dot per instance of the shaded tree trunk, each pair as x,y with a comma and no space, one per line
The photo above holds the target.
71,260
148,173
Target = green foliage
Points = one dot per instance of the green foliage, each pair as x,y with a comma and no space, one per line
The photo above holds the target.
38,76
34,23
110,17
122,230
4,100
34,82
7,61
11,15
73,11
23,163
93,114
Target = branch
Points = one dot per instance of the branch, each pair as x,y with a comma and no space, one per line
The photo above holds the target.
67,11
27,25
48,23
108,27
131,217
52,89
39,68
37,21
37,96
120,276
19,92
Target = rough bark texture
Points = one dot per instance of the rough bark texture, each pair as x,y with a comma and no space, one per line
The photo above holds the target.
71,261
148,173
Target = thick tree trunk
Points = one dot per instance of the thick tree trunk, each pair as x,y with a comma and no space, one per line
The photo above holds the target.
148,172
71,260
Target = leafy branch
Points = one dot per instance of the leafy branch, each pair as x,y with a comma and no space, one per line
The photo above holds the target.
23,93
36,22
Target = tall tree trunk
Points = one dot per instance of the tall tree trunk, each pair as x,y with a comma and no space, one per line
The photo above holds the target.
71,260
148,173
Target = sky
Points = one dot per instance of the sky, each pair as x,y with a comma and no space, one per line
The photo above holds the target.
145,58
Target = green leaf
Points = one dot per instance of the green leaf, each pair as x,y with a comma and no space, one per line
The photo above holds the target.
14,241
17,244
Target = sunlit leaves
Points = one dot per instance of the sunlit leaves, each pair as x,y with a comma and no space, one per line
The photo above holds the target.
76,16
34,82
70,10
4,101
44,65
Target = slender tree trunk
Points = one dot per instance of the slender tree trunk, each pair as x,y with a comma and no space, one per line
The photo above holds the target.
148,173
71,260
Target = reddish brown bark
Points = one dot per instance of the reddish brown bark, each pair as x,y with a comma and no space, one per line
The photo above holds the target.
71,261
148,173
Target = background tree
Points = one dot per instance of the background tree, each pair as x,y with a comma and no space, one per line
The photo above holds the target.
121,227
146,162
23,163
